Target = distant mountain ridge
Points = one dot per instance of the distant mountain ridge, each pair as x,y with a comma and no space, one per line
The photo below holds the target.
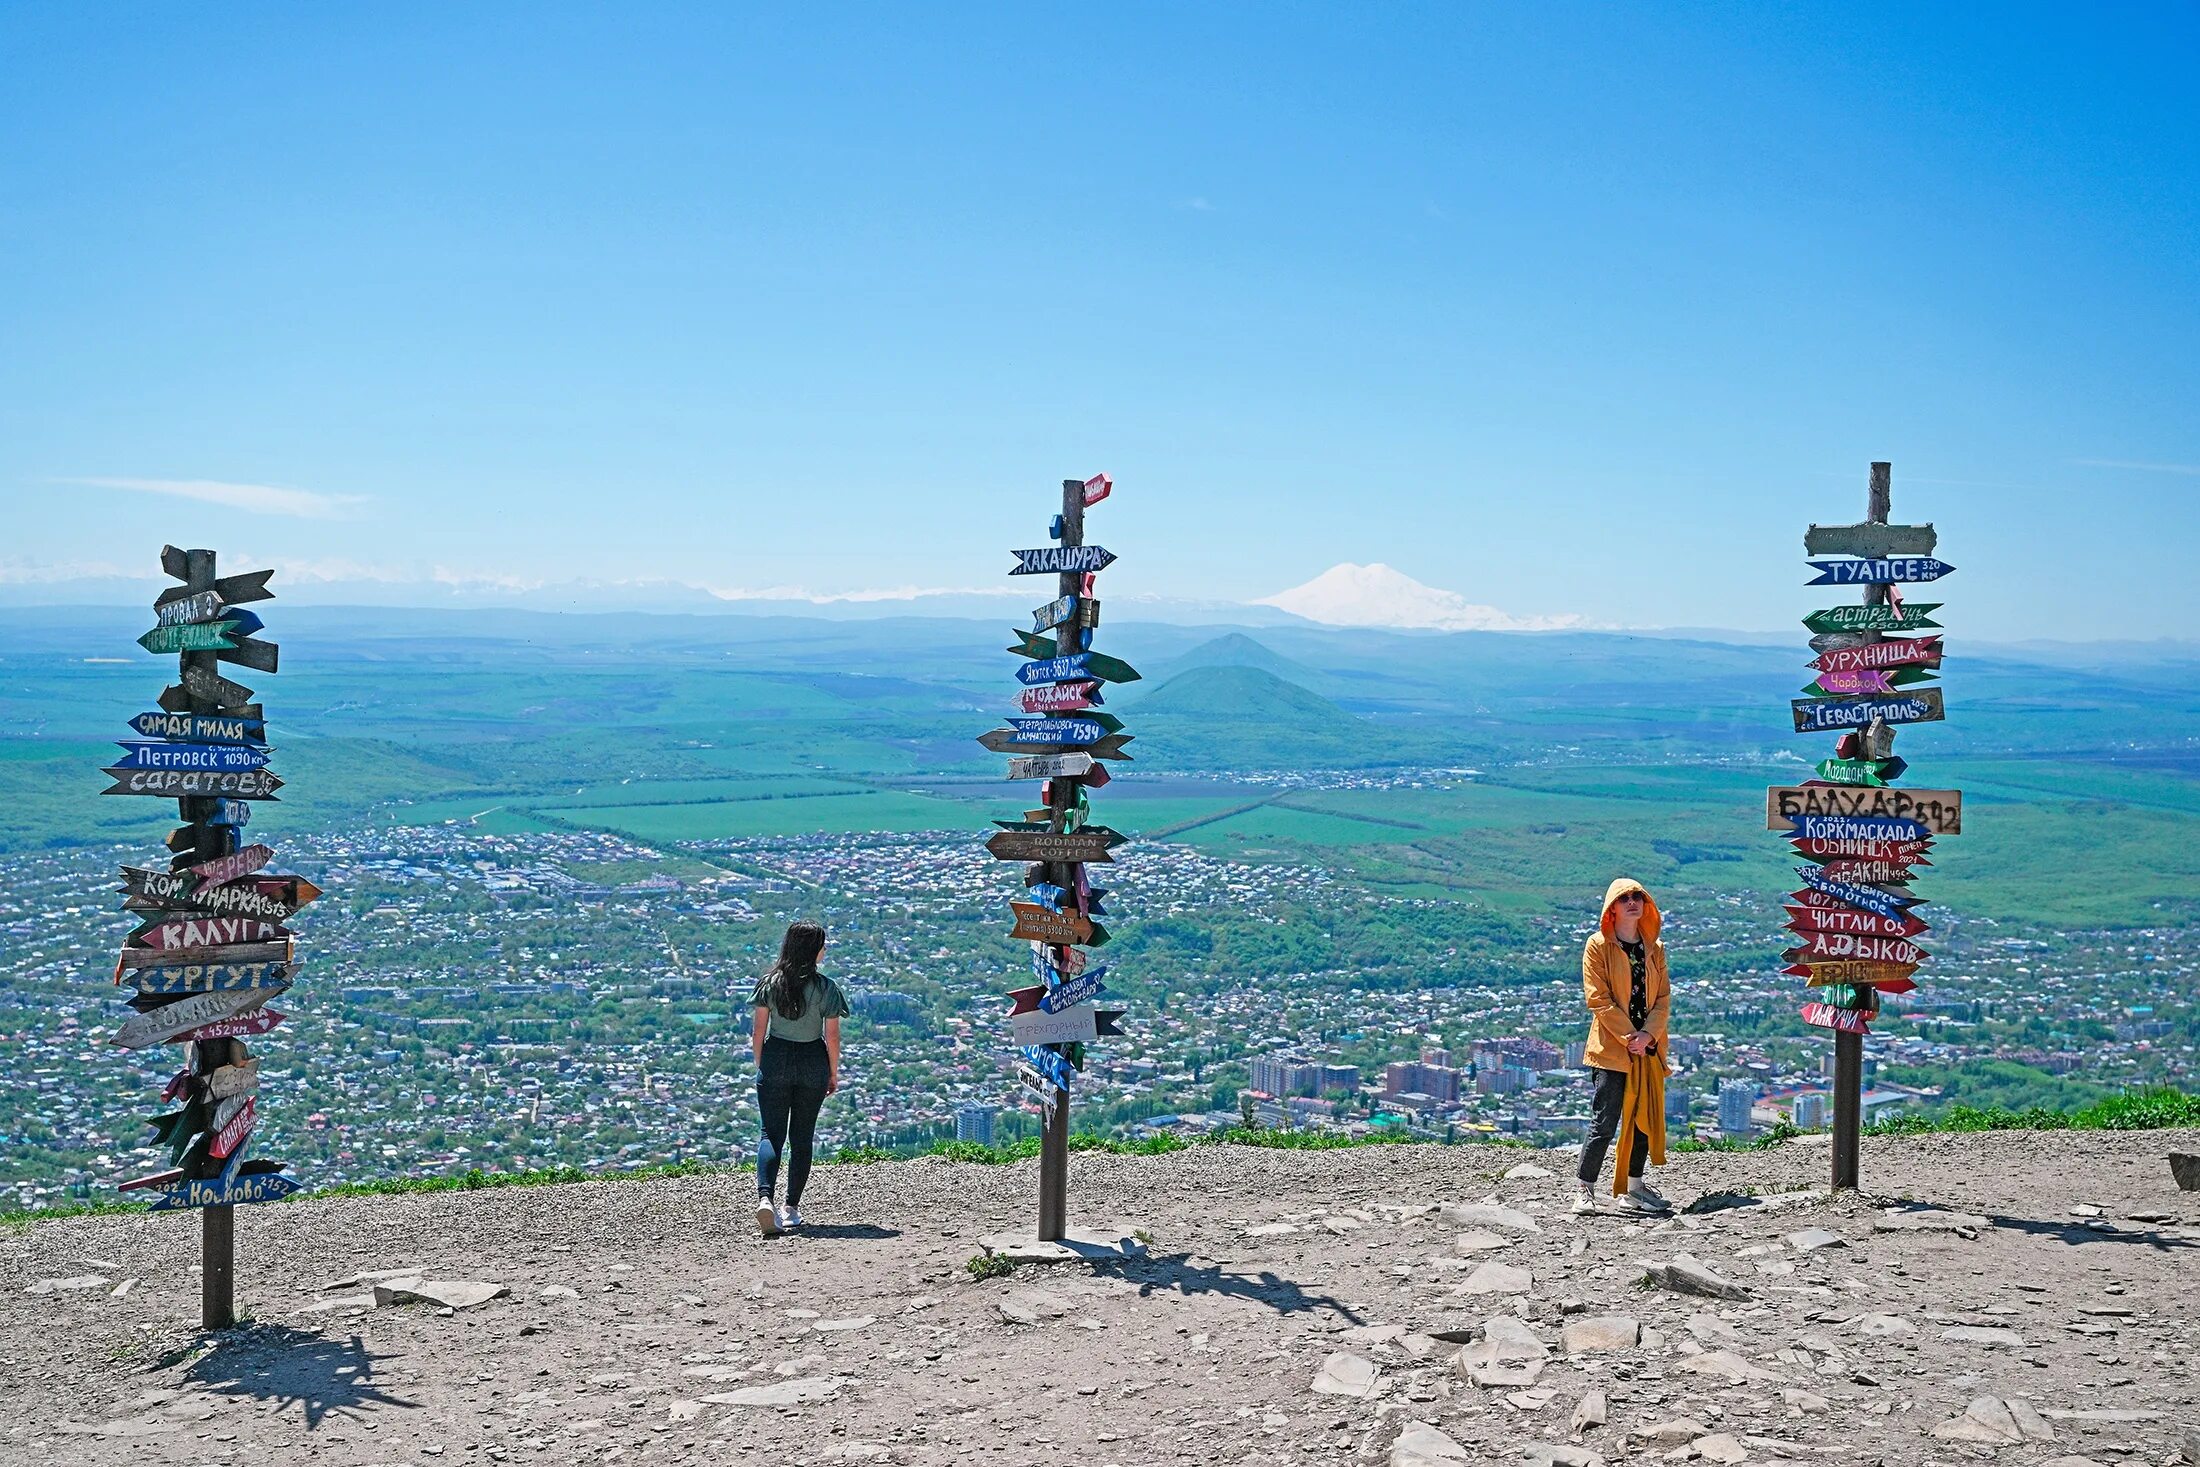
1349,595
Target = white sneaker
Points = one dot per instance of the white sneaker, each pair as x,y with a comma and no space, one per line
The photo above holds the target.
1630,1204
1585,1200
767,1218
1648,1196
789,1219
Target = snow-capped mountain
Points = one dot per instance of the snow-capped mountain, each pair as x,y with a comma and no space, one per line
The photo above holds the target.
1376,596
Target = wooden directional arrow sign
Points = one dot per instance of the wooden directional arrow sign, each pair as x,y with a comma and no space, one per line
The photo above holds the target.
226,1190
1853,827
1884,570
231,1134
1062,559
1048,766
207,636
1870,898
1915,616
197,932
1066,994
1821,946
1101,746
200,728
1904,852
253,653
1084,728
1826,1016
1856,973
1870,540
233,590
1875,682
172,1021
210,977
269,898
1861,771
179,784
1048,1063
1060,697
1040,925
1080,611
1848,919
1031,644
1075,667
165,755
184,957
1071,1026
1092,844
230,1081
1897,652
1939,811
1871,873
228,868
1817,715
229,812
243,1026
213,687
193,607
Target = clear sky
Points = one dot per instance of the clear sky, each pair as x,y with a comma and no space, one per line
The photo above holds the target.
1567,308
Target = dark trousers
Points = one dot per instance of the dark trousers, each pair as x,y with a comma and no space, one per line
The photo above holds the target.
1611,1099
790,1090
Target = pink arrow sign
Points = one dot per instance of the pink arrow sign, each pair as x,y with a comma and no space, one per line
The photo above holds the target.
232,1135
1060,697
1895,652
250,1024
1097,488
229,868
1855,683
1826,1016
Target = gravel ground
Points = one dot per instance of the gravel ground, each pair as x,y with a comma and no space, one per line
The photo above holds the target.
868,1340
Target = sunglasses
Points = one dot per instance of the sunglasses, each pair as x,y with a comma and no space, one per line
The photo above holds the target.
1632,896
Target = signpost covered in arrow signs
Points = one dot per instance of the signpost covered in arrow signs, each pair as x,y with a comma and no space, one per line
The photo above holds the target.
1852,920
1052,1022
211,950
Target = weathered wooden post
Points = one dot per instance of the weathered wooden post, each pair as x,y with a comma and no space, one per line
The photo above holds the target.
1854,918
1062,746
211,950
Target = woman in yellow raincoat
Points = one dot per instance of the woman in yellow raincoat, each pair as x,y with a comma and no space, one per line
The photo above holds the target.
1630,998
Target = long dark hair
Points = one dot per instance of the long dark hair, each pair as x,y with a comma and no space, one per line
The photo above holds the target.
797,965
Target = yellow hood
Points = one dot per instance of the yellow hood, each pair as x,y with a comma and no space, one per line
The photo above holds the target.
1651,921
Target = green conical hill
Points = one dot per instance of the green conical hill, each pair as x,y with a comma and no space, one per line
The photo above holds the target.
1240,694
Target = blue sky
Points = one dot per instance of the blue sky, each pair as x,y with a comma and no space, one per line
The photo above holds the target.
1568,309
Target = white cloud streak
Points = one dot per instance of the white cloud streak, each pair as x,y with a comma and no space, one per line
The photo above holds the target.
2190,471
307,504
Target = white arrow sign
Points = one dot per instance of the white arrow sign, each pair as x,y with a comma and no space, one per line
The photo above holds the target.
1070,1026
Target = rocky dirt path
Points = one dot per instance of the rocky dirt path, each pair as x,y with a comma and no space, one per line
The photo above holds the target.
2026,1299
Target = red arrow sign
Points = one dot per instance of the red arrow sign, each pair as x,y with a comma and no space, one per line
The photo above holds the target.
1060,697
231,1136
1826,1016
1851,919
228,868
1894,652
206,932
1855,947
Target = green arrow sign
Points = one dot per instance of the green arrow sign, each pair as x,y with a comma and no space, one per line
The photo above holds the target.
204,636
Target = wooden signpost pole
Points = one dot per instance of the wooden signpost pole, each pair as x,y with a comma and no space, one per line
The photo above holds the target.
211,949
217,1225
1848,1048
1054,1021
1859,832
1062,795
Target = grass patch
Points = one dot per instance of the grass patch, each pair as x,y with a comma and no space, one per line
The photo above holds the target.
989,1266
2159,1108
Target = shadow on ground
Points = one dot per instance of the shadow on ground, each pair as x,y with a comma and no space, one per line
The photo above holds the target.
1178,1271
290,1367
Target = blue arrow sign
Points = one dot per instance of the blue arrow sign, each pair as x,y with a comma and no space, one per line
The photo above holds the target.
1859,827
1058,730
1049,1064
247,622
231,812
162,754
200,728
1054,670
1062,559
1885,570
1870,898
1085,985
256,1187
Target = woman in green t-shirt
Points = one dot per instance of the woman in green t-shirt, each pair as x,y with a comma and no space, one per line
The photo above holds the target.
797,1045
